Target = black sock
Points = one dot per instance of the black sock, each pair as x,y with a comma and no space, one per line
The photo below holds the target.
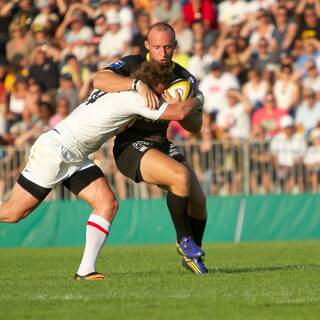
178,210
197,227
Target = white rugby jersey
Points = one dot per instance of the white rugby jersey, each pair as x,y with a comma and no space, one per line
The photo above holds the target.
101,117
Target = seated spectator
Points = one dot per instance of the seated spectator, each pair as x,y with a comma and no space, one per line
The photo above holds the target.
204,34
285,89
22,13
288,148
17,102
44,67
310,54
255,89
46,18
262,29
312,79
116,41
231,11
73,35
308,112
312,160
199,62
265,56
268,116
100,28
137,42
167,11
68,90
233,121
19,42
80,74
260,162
214,87
16,69
62,110
184,36
285,30
309,26
203,10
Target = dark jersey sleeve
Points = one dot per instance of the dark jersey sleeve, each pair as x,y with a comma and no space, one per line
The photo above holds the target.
180,72
125,65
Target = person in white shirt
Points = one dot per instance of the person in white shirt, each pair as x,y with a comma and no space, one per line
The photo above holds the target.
288,148
61,156
232,10
214,87
312,160
233,121
308,112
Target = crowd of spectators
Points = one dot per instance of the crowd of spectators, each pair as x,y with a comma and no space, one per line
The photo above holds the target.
257,63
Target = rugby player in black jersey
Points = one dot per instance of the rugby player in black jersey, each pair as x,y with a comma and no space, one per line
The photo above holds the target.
143,152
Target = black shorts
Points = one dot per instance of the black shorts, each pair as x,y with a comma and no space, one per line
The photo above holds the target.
128,155
75,183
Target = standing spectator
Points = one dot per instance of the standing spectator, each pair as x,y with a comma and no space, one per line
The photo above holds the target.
268,116
308,112
233,121
44,69
214,87
288,148
204,10
286,89
68,90
115,42
255,89
100,28
46,18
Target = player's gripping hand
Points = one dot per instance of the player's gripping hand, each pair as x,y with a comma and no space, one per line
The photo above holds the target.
149,95
171,99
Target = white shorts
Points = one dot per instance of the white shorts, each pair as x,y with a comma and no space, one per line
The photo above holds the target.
50,162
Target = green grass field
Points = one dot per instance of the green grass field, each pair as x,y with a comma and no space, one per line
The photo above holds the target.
247,281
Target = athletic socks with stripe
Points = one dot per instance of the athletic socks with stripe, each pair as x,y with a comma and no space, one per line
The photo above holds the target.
96,232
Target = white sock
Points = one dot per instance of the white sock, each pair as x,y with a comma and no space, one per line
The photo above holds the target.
96,233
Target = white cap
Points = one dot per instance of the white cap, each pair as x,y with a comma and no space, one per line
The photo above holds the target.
113,17
286,122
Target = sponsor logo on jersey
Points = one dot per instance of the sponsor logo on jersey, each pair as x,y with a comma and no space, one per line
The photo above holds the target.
117,65
142,145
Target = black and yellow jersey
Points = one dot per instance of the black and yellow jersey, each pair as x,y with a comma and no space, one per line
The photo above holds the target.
145,128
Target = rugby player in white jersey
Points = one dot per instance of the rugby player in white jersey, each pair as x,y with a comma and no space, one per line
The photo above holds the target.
61,156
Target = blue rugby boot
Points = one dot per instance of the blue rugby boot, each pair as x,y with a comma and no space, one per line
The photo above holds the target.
187,247
195,265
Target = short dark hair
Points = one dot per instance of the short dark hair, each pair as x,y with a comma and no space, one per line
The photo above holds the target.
162,26
153,73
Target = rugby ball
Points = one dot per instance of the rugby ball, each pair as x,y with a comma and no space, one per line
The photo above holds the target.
182,86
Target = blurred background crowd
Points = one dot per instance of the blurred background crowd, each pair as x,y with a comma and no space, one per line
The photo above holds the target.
257,63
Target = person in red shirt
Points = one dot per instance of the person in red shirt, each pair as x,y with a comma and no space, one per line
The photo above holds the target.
203,10
268,117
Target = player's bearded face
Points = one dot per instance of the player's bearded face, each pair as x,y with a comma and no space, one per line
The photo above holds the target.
161,45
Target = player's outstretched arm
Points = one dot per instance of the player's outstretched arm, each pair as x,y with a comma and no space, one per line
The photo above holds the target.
108,81
178,110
